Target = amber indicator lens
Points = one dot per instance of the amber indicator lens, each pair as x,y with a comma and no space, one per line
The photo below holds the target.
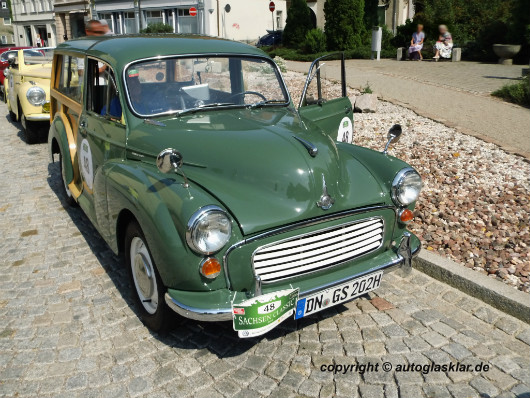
210,268
406,216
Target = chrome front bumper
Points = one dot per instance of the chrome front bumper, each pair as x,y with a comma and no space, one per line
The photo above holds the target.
38,117
403,262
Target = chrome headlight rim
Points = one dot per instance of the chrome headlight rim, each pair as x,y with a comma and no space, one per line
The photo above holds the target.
41,91
397,184
196,218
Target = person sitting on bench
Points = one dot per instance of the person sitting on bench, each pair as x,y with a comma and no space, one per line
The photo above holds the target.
444,45
416,44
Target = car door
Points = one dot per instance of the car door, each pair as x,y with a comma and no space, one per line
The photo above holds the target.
100,139
325,105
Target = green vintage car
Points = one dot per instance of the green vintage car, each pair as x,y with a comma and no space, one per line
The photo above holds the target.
227,200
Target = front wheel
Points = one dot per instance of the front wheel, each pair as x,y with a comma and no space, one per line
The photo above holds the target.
148,288
30,129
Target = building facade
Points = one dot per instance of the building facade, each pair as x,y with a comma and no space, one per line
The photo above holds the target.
6,26
70,18
391,13
33,23
233,19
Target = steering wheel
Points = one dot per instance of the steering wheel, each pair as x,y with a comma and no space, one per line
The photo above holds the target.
243,93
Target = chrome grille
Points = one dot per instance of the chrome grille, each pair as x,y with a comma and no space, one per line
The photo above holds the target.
317,250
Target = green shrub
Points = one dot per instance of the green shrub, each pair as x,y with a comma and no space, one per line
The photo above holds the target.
297,25
344,27
475,25
281,64
518,93
315,41
158,27
404,34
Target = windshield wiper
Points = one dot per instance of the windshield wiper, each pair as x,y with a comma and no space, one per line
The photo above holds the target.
263,103
205,106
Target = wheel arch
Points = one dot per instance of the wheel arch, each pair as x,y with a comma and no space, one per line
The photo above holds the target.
125,217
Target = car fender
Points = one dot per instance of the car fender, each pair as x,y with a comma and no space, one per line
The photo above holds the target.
162,206
382,166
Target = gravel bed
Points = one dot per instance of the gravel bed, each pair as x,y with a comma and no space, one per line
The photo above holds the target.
475,203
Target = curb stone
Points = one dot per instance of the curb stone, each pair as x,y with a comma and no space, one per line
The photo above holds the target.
497,294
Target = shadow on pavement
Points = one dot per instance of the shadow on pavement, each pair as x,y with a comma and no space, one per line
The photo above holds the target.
20,133
219,338
502,77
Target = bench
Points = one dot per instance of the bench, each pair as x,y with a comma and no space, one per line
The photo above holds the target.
402,54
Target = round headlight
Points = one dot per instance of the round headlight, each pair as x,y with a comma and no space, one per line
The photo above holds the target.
406,187
209,229
36,96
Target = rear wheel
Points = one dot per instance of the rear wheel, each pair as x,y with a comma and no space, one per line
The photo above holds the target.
148,289
67,194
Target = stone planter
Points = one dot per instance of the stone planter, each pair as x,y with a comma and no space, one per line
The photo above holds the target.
506,52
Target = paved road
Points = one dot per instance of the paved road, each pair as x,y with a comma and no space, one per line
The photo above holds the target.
67,328
456,94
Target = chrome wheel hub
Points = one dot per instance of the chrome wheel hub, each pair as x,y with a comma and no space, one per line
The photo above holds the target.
144,275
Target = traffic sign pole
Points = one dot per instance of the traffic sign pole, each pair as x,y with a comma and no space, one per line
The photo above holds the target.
272,7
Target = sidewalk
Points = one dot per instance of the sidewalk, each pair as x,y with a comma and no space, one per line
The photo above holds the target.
456,94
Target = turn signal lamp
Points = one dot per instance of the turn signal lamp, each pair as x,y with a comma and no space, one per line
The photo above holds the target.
210,268
406,216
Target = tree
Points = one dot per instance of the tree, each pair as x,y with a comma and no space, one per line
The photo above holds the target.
298,23
344,24
158,27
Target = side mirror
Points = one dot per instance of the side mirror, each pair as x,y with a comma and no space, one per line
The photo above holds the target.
169,160
393,136
11,60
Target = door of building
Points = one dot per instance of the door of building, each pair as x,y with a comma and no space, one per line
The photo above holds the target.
29,36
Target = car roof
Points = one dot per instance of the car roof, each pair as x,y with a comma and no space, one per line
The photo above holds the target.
119,50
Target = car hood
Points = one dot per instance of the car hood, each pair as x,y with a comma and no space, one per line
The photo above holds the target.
250,161
37,71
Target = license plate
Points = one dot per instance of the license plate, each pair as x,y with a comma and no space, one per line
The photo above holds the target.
337,294
260,314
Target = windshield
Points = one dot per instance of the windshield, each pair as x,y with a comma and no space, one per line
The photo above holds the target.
182,85
35,56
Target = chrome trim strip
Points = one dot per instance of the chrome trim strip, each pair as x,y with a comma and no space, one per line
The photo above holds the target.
225,314
296,225
318,232
311,148
204,55
317,220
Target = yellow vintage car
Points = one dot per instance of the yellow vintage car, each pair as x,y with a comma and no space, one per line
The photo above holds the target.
27,86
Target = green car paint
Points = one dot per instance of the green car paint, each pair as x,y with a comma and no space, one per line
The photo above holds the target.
251,162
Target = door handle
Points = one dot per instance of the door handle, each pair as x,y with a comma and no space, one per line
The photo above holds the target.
82,124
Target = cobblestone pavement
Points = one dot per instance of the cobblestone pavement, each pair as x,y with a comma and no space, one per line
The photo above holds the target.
454,93
67,327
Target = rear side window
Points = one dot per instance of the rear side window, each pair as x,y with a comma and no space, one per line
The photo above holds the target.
70,81
102,92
